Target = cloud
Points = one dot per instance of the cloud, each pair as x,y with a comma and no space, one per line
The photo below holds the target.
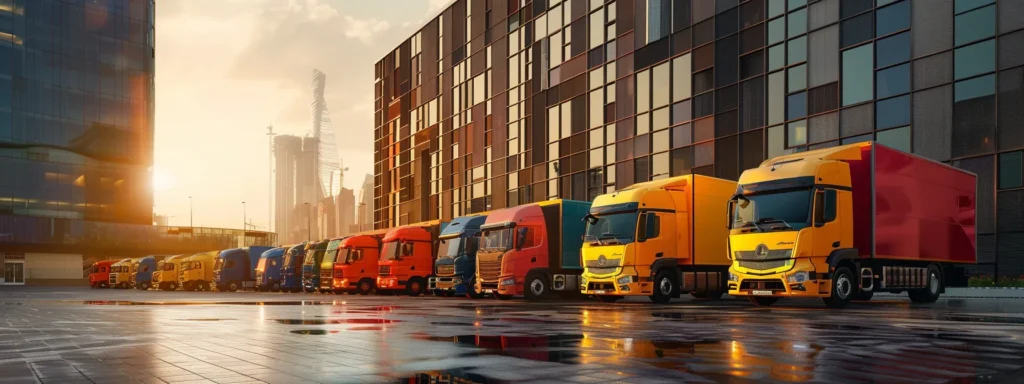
436,6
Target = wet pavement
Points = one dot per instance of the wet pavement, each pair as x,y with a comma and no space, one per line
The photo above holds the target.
72,335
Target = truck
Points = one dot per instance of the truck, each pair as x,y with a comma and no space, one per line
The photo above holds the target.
196,273
167,278
660,239
327,264
455,268
355,268
311,265
99,275
235,269
142,272
407,258
532,250
120,273
291,268
268,270
844,222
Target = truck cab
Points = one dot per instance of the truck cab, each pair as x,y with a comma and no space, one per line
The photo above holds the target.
268,270
327,264
142,272
355,268
291,268
168,276
234,269
311,265
407,258
532,250
455,268
196,273
99,275
120,274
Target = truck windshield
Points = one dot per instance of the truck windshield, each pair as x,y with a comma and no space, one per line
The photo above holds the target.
186,266
343,255
219,264
615,228
773,211
309,260
262,264
168,267
450,247
497,240
390,251
332,251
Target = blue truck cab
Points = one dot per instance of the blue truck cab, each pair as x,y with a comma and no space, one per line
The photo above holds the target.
235,268
143,274
291,268
311,265
268,270
455,267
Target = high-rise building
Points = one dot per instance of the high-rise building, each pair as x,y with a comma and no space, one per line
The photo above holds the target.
490,106
287,150
364,206
345,203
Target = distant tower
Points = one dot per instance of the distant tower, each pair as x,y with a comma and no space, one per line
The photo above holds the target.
328,163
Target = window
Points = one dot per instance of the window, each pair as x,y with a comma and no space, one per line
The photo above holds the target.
1011,170
776,7
796,106
853,7
893,50
661,85
797,23
752,65
230,264
857,30
797,78
796,133
596,29
776,30
681,73
776,57
824,207
651,225
776,141
892,112
974,59
893,18
659,19
973,116
857,64
966,5
898,138
776,95
893,81
797,51
975,25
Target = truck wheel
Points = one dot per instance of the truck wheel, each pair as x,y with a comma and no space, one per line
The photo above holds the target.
864,295
232,287
762,301
276,287
664,287
536,286
415,287
104,284
204,286
843,288
931,292
145,286
364,288
608,298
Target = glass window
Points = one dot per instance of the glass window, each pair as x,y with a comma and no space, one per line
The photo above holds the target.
974,59
661,142
857,64
797,50
796,106
892,112
1010,170
776,30
794,4
893,81
892,50
975,25
857,30
898,138
658,19
776,96
964,5
681,112
681,136
752,65
796,133
974,119
596,29
797,78
797,23
974,88
776,141
681,73
777,57
661,85
596,108
776,7
643,91
853,7
893,18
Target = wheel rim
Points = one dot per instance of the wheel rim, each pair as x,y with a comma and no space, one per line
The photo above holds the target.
843,286
537,287
933,283
414,286
364,286
233,287
665,286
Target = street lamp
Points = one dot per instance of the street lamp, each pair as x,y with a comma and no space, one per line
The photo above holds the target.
309,226
243,223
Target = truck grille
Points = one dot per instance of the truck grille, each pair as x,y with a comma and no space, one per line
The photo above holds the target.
384,270
602,271
763,265
771,284
490,270
112,279
325,274
445,270
775,258
602,263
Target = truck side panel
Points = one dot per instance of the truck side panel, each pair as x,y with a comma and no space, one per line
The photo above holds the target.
863,216
553,225
710,232
923,210
572,232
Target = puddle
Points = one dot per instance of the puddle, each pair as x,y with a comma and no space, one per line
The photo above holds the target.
110,302
337,321
204,319
553,348
985,319
461,376
366,329
313,332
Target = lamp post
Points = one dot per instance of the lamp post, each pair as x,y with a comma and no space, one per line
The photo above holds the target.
243,223
309,227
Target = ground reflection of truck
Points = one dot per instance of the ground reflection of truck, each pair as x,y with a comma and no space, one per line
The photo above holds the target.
355,269
660,239
842,223
142,272
327,264
311,265
235,269
99,275
407,258
532,250
455,268
291,268
196,273
120,274
268,270
168,277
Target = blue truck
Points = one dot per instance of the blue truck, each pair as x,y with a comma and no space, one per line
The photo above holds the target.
268,270
291,268
455,268
311,265
142,272
234,269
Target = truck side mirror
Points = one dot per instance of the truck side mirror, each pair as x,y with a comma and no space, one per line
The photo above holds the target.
520,238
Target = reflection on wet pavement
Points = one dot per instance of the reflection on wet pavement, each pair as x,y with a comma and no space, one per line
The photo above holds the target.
113,336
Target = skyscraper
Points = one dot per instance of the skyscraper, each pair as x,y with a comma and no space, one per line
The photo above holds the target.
287,151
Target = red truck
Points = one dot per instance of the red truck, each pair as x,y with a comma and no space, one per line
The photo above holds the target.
407,258
100,274
355,268
842,223
532,250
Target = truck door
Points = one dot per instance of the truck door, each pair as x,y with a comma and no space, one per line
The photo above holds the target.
827,234
655,239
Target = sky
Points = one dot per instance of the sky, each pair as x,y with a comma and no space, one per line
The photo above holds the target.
227,69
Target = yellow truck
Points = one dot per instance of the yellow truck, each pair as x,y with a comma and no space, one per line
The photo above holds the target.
197,271
167,280
120,274
660,239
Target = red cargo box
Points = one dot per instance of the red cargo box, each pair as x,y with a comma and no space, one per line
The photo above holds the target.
911,208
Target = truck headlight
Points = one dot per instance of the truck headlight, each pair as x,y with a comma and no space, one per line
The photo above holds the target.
456,280
625,279
583,280
733,277
508,281
798,277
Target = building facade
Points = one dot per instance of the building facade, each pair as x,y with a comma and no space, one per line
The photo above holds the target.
497,103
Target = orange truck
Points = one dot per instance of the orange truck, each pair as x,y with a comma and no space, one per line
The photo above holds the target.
407,258
99,276
355,268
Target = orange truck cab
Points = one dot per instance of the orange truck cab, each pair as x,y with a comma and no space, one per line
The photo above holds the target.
99,276
532,250
355,268
407,258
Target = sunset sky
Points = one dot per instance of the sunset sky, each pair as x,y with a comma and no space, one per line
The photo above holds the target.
226,69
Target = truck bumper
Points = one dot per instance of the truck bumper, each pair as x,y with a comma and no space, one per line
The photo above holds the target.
610,285
390,283
510,285
343,286
453,284
779,285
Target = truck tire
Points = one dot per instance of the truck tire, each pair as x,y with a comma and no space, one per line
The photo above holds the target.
232,286
415,287
275,287
365,287
536,286
144,286
204,286
665,286
762,301
931,292
608,298
864,295
843,288
104,284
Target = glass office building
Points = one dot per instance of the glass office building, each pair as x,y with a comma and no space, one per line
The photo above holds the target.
497,103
